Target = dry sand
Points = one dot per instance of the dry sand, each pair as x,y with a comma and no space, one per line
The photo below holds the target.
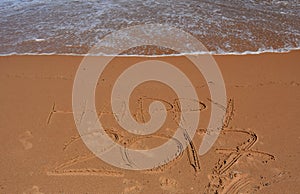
257,151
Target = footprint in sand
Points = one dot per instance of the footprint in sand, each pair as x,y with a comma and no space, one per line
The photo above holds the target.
34,190
24,137
170,185
133,187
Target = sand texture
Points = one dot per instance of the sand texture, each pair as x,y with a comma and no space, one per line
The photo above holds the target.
256,152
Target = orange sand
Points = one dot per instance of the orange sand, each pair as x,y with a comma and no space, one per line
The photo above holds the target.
257,151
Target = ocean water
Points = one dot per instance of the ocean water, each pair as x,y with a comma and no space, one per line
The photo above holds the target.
72,27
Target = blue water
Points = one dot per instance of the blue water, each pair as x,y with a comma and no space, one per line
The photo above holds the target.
74,26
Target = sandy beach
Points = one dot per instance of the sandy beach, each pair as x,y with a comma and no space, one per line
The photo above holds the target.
256,152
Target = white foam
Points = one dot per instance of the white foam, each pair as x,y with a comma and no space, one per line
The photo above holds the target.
260,51
39,39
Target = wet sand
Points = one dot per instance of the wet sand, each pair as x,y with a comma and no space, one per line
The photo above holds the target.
256,152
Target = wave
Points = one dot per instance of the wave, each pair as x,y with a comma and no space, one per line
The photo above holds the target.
235,27
260,51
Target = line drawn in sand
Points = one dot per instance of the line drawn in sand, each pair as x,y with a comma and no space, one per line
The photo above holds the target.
174,108
53,111
222,178
220,174
65,168
62,169
193,155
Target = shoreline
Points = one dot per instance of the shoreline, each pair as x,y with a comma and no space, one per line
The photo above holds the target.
258,52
